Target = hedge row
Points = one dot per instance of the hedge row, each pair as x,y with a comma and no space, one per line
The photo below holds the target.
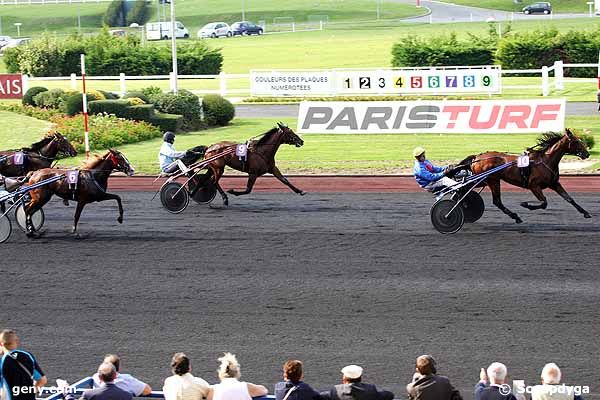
109,55
513,51
144,112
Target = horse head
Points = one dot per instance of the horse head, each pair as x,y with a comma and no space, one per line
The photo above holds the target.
63,145
120,162
289,136
576,146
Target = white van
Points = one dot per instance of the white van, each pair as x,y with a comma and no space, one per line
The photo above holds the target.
162,30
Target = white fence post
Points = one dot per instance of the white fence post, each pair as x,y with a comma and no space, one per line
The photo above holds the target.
172,81
73,81
559,83
223,83
122,84
545,82
25,82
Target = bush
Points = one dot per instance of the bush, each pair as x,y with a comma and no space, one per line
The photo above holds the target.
115,14
96,94
588,139
152,93
139,13
139,95
167,122
136,101
196,58
183,103
31,93
442,50
108,131
217,110
45,114
142,112
73,105
49,99
109,95
115,107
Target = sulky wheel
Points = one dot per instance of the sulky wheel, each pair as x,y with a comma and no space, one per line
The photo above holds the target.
5,229
473,207
174,199
38,218
203,188
446,224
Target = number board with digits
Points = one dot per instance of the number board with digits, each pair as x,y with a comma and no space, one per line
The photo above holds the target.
441,80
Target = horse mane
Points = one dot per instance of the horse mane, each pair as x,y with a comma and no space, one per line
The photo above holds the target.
93,161
546,140
267,135
37,146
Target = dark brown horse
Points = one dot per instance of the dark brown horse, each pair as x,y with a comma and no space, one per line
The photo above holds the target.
260,159
37,156
91,187
543,172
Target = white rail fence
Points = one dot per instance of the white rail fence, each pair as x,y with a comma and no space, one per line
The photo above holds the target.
548,82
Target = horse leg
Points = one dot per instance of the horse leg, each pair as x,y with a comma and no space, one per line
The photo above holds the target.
249,186
537,192
78,210
277,174
558,188
111,196
494,186
217,174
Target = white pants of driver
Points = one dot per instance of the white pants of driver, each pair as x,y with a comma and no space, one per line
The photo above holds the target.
444,181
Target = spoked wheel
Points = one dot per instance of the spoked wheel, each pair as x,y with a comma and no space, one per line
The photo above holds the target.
203,188
38,218
5,229
473,207
171,200
443,222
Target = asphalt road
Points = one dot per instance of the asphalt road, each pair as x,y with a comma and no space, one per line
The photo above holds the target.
331,279
446,12
291,110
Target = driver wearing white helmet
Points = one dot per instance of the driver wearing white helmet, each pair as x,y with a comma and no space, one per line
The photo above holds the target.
429,176
167,154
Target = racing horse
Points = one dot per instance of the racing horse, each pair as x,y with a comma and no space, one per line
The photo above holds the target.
37,156
543,170
260,159
91,186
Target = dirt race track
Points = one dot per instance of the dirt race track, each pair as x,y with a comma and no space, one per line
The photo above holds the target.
328,278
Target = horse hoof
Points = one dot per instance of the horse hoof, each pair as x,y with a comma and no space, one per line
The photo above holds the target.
33,235
302,193
518,220
120,220
587,215
66,203
525,205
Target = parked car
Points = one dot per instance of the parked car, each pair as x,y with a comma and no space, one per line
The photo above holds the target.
4,40
162,30
14,43
214,30
541,7
246,28
118,32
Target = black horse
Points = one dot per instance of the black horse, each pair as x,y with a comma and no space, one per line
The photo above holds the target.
37,156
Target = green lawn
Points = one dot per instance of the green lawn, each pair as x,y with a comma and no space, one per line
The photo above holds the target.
348,153
565,6
17,130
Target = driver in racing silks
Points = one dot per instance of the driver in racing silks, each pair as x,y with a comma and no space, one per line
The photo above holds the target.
167,154
429,176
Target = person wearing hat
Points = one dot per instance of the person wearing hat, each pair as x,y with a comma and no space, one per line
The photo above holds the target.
167,154
429,176
352,387
427,385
